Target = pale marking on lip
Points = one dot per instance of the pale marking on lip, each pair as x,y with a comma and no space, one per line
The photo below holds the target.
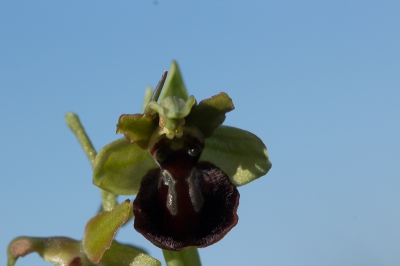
194,191
171,202
195,194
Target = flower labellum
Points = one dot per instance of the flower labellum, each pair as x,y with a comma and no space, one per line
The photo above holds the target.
184,203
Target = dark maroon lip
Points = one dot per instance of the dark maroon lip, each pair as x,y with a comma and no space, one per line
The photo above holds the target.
185,203
186,226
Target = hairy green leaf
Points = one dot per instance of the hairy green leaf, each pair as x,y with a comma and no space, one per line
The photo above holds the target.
238,153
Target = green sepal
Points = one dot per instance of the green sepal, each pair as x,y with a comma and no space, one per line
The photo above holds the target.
101,229
120,166
174,85
210,113
137,127
238,153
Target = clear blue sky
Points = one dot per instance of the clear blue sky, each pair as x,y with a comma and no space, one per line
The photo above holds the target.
317,81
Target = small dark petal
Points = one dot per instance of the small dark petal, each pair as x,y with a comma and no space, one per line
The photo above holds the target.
195,224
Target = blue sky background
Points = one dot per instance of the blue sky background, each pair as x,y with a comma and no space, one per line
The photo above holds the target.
317,81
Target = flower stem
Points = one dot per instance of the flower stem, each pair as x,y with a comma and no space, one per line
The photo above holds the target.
73,122
187,257
75,125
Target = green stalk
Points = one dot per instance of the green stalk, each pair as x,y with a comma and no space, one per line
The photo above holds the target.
186,257
73,122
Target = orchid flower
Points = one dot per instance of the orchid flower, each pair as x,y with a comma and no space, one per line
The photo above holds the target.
183,165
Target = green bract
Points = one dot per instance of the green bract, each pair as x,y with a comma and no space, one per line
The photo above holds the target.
120,166
101,229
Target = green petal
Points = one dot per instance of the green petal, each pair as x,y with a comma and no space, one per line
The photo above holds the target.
137,128
101,229
174,85
56,250
120,166
239,153
172,107
210,113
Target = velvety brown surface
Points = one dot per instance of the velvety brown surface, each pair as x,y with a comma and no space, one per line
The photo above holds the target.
188,227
